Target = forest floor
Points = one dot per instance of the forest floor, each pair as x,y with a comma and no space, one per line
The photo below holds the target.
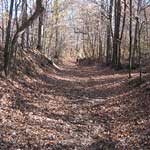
77,108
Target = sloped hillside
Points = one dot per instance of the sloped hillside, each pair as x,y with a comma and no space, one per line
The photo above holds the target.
83,108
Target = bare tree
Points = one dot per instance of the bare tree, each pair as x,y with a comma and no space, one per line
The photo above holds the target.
9,46
8,40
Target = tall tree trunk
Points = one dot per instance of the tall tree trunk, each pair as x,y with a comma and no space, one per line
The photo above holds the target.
116,39
9,46
139,47
40,32
121,36
108,51
3,33
24,19
130,44
56,28
100,47
135,46
8,40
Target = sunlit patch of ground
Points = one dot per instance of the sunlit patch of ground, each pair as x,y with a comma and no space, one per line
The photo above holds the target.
78,108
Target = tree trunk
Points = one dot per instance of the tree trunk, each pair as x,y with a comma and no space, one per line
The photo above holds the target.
40,32
9,46
24,19
116,39
108,51
3,33
139,43
121,36
8,40
130,44
135,47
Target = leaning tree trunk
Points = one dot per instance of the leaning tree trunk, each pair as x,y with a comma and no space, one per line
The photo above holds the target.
9,55
24,19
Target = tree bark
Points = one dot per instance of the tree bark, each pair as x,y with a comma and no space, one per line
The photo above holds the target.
9,53
8,40
24,19
116,38
39,46
130,44
108,51
121,36
3,33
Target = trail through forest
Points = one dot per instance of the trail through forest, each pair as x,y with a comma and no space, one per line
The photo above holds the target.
83,108
101,101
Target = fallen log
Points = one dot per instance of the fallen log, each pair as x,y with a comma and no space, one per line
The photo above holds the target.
56,67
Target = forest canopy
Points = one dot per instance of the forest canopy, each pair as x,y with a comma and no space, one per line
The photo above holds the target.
114,32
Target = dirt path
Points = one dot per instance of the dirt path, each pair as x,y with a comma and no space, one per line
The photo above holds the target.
82,108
